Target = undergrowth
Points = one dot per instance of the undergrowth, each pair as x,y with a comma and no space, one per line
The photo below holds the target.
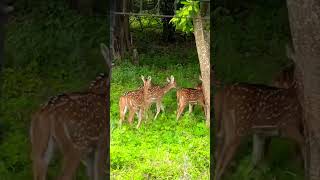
49,50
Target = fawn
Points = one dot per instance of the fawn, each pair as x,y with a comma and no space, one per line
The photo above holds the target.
246,109
77,124
134,101
157,93
190,96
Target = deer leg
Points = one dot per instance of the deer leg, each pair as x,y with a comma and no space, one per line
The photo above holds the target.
158,110
162,107
71,156
228,152
89,163
123,112
42,147
181,107
41,160
140,118
101,160
229,141
190,108
71,162
132,112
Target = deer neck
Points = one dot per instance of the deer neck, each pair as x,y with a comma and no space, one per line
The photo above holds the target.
167,88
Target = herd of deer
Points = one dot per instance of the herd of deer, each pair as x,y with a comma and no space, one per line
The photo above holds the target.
77,123
138,101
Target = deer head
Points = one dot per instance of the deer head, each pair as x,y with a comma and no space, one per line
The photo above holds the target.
102,82
171,82
146,86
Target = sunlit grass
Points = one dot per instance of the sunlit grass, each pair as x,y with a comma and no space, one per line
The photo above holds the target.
163,148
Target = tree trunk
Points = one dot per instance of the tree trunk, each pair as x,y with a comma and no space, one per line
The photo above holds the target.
304,17
202,38
120,29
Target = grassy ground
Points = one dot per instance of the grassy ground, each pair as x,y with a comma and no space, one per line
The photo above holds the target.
164,148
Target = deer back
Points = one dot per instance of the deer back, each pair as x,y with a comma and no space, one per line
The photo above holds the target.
190,94
258,105
84,118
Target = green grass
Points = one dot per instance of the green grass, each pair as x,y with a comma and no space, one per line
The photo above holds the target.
163,148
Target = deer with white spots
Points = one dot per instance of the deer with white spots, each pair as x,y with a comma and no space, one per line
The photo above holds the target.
157,93
246,109
137,102
191,97
76,124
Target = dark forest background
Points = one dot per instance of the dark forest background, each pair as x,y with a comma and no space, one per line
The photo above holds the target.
49,49
248,45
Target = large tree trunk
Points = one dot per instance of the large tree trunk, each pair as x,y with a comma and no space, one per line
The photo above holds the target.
304,17
202,37
120,29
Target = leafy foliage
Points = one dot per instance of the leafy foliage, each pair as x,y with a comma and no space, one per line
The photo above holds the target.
183,17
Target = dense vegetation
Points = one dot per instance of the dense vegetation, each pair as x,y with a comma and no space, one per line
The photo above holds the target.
248,45
49,50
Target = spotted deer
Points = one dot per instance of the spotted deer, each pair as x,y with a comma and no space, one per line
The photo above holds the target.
245,109
190,96
261,142
136,102
76,124
157,93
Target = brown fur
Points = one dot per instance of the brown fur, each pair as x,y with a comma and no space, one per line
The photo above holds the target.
190,96
76,124
244,109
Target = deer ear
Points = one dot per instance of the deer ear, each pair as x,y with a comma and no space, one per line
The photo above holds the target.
142,77
168,80
149,78
172,78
